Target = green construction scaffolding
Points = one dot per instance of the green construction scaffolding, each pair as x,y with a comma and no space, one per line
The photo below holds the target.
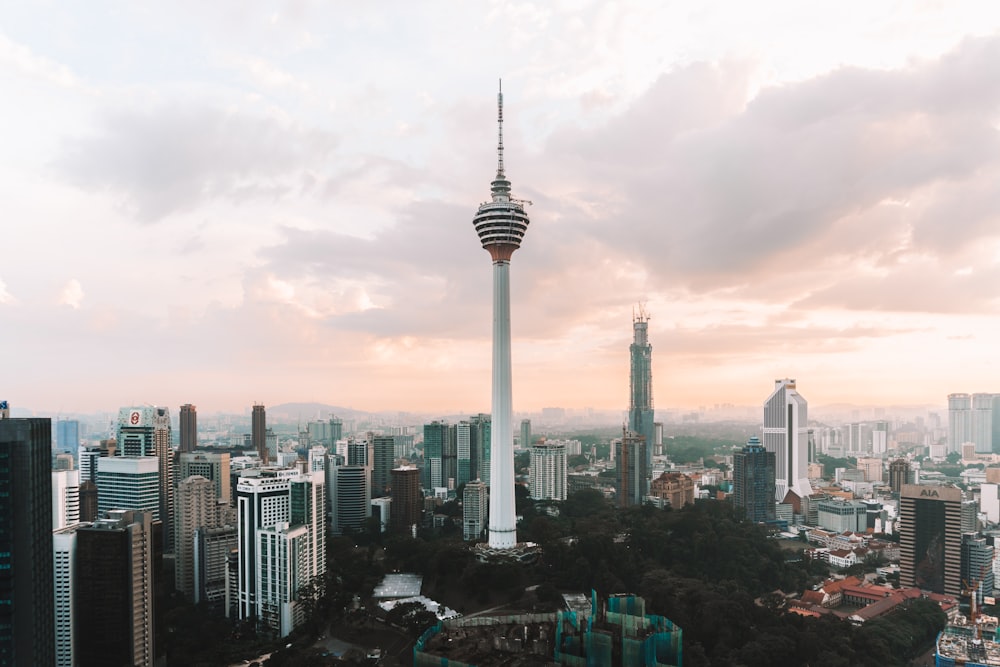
616,631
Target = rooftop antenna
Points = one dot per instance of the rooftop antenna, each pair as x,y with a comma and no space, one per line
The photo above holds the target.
500,173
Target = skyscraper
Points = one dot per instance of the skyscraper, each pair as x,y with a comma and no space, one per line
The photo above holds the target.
640,405
26,583
384,450
87,456
525,433
899,474
212,466
501,224
482,434
291,555
474,509
930,537
547,478
258,431
128,483
114,592
977,565
463,453
64,564
197,507
785,433
407,501
959,421
982,423
145,431
352,499
753,481
65,498
189,428
632,473
260,502
67,435
436,436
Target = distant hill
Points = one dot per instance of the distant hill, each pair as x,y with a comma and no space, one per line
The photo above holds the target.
310,412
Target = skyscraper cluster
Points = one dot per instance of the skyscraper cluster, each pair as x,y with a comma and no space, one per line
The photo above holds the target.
974,419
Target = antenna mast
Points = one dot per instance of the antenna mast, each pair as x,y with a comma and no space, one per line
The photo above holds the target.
500,173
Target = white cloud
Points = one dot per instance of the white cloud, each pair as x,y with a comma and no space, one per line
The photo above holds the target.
5,296
33,65
72,294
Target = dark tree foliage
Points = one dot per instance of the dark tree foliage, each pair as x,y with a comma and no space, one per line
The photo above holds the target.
703,567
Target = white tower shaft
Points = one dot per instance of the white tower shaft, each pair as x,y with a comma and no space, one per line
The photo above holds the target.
503,520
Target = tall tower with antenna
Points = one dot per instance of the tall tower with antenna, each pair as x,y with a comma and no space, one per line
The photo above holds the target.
501,224
640,404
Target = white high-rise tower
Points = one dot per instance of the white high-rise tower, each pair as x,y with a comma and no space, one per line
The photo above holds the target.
785,433
501,224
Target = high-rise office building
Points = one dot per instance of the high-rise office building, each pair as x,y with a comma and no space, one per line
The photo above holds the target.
359,452
753,481
88,501
291,554
640,404
67,435
407,501
449,459
261,502
65,498
982,423
481,433
258,431
213,466
959,421
145,431
87,456
899,474
384,455
632,473
475,506
785,433
930,537
189,428
977,565
463,453
501,224
197,507
547,477
114,591
970,516
213,547
525,433
307,507
880,438
64,577
128,483
352,500
26,582
316,458
436,436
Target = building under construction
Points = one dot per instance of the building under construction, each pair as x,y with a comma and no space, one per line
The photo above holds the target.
615,631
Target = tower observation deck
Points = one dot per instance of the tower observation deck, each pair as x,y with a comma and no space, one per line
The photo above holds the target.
501,224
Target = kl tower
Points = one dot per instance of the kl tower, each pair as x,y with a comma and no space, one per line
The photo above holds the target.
501,224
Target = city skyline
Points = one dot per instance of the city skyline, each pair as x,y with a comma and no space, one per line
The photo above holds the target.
281,196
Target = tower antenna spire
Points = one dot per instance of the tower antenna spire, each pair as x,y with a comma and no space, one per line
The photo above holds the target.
500,174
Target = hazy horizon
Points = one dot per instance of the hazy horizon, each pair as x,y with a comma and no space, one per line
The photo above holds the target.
220,204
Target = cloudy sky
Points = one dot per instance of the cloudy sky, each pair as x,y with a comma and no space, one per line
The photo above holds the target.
228,202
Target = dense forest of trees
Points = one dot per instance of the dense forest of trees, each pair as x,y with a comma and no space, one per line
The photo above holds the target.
700,566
